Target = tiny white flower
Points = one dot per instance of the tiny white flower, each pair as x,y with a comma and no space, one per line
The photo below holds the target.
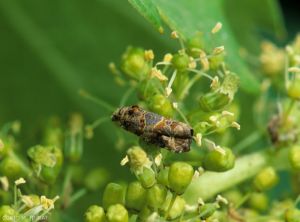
221,199
227,113
236,125
204,61
158,74
174,35
198,139
124,161
215,82
20,181
175,105
218,50
158,159
200,201
294,69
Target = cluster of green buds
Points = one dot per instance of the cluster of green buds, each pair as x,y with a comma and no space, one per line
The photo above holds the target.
164,87
60,148
26,208
157,194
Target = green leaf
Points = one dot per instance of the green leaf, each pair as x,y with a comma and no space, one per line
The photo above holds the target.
190,17
149,11
254,17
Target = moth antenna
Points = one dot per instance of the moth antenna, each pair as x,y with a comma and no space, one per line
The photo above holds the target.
96,100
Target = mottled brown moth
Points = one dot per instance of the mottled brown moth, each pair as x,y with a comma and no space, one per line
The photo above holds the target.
155,129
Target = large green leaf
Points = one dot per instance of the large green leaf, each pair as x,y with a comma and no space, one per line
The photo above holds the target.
254,17
189,17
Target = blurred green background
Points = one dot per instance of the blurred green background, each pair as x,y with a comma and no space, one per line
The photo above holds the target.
49,49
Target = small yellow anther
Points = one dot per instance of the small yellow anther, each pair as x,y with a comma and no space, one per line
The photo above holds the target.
217,28
149,55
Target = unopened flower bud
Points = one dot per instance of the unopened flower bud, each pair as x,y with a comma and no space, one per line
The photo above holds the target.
180,61
135,196
147,177
10,167
117,213
158,103
134,64
265,179
168,57
219,161
113,194
94,214
156,196
180,176
258,201
138,159
163,176
292,215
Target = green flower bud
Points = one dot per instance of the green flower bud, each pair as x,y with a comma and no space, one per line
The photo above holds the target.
135,196
74,139
292,215
113,194
94,214
6,144
117,213
46,162
180,176
265,179
213,101
138,159
156,196
195,44
11,168
207,210
147,88
294,157
216,61
96,178
160,104
180,61
218,161
8,214
177,208
53,133
293,89
147,177
144,214
233,196
258,201
134,64
163,176
222,96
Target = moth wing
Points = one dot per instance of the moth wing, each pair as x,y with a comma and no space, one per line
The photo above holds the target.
177,145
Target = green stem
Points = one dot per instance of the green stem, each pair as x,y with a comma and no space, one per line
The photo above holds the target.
245,143
211,183
96,100
76,196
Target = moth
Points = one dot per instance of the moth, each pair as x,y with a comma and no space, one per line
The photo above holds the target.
155,129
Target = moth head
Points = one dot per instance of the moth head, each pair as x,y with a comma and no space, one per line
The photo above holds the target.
117,115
